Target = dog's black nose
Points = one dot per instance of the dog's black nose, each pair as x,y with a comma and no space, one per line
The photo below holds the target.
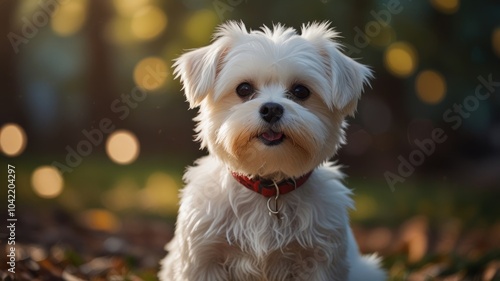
271,112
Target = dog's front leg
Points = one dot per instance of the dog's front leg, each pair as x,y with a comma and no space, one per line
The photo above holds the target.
212,272
205,260
194,257
312,270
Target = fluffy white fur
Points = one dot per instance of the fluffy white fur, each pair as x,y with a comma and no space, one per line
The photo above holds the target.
224,231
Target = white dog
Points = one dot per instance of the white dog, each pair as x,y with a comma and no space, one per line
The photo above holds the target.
264,205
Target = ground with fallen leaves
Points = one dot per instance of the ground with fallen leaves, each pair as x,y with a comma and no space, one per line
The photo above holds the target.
423,232
57,246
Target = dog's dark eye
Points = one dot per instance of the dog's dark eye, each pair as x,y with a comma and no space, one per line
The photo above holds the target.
300,91
244,90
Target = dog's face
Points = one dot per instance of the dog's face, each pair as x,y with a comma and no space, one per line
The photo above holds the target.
272,102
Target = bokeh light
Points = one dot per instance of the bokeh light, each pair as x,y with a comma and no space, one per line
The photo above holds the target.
69,17
47,182
127,8
151,73
122,147
200,26
12,139
495,41
401,59
117,31
148,22
430,86
101,220
414,238
25,9
161,194
446,6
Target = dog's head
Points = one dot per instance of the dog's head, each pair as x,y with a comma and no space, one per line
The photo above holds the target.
272,102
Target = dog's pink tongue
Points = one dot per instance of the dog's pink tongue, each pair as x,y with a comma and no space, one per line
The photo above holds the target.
271,136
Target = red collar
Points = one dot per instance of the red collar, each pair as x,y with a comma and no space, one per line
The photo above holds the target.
267,188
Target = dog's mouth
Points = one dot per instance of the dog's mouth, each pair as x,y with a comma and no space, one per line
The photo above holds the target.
271,137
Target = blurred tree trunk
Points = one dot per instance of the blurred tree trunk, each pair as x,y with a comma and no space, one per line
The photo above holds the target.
359,9
101,88
11,98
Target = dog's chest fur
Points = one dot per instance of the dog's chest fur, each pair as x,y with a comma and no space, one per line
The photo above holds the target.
231,226
291,263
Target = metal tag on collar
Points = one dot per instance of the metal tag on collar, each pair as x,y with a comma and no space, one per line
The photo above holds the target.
276,210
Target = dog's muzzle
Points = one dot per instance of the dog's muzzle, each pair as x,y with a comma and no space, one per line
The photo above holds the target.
271,112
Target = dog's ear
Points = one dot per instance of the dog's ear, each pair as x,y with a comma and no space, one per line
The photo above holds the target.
197,70
347,77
